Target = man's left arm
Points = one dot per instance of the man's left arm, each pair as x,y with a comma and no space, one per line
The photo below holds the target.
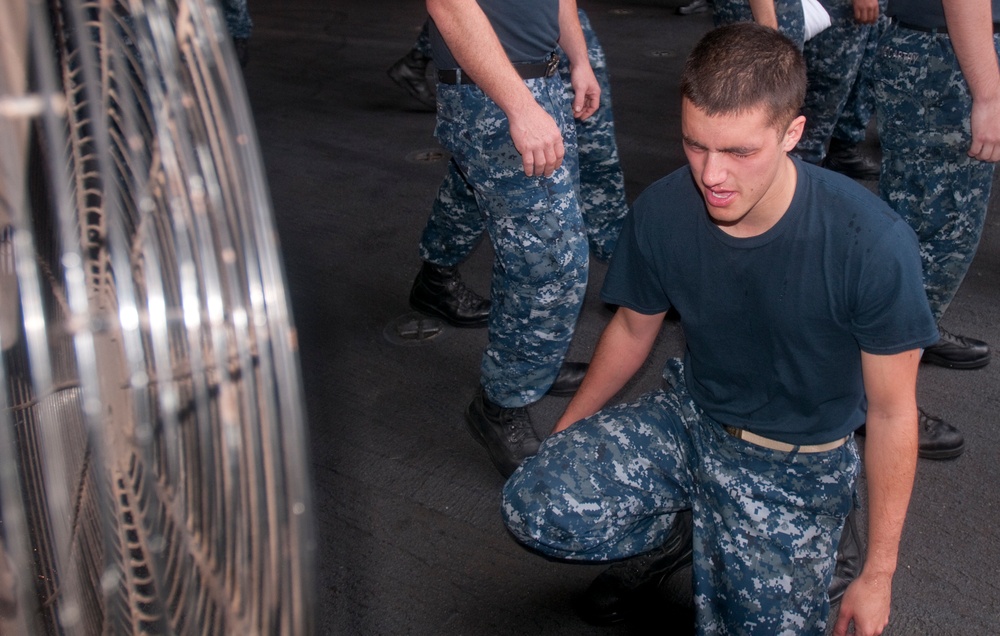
970,29
890,465
586,90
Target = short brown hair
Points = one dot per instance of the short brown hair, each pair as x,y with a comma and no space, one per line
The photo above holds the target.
739,67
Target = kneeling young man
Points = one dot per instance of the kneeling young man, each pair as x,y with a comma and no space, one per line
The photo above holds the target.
802,303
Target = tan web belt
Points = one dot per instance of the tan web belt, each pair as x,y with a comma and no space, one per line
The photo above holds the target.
773,444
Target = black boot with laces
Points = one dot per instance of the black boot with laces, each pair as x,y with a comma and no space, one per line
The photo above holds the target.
506,433
410,73
957,352
613,596
439,291
939,439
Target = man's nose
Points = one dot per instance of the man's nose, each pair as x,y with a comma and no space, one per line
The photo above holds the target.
714,170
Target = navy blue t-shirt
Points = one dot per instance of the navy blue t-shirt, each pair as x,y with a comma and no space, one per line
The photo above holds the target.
527,29
775,323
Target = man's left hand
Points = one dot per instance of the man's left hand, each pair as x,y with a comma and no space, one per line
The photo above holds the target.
586,91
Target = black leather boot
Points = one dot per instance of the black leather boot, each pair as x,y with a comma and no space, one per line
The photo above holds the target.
506,433
957,352
614,595
410,72
569,378
937,439
693,7
439,291
849,558
844,158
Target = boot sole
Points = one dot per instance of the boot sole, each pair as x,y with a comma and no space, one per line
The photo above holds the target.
629,607
436,313
947,453
944,362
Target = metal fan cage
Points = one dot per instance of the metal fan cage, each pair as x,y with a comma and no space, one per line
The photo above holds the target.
153,469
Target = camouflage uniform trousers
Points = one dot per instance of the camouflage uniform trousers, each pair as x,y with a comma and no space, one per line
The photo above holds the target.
539,240
237,16
833,59
455,224
852,125
791,21
602,184
766,523
423,43
923,114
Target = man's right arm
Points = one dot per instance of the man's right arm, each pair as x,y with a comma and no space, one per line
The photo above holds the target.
623,347
478,50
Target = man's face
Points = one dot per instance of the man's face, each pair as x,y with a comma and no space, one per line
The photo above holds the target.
739,163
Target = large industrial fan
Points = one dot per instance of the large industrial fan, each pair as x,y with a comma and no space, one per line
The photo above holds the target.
153,469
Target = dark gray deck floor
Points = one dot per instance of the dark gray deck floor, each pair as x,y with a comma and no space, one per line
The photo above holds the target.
410,540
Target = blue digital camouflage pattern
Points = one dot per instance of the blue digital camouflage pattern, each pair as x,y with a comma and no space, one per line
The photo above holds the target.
853,122
539,230
602,184
539,241
833,59
791,21
766,523
237,16
923,114
455,225
423,43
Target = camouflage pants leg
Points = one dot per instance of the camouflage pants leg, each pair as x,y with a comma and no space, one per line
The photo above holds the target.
237,16
791,21
423,43
766,523
455,225
538,237
923,115
853,121
602,184
833,58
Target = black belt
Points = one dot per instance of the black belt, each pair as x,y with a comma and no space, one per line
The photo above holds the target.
936,30
526,71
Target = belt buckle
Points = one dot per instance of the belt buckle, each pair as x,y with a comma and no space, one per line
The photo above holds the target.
551,65
733,431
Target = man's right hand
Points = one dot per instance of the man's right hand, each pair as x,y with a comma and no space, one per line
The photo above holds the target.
985,130
624,346
866,11
539,140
